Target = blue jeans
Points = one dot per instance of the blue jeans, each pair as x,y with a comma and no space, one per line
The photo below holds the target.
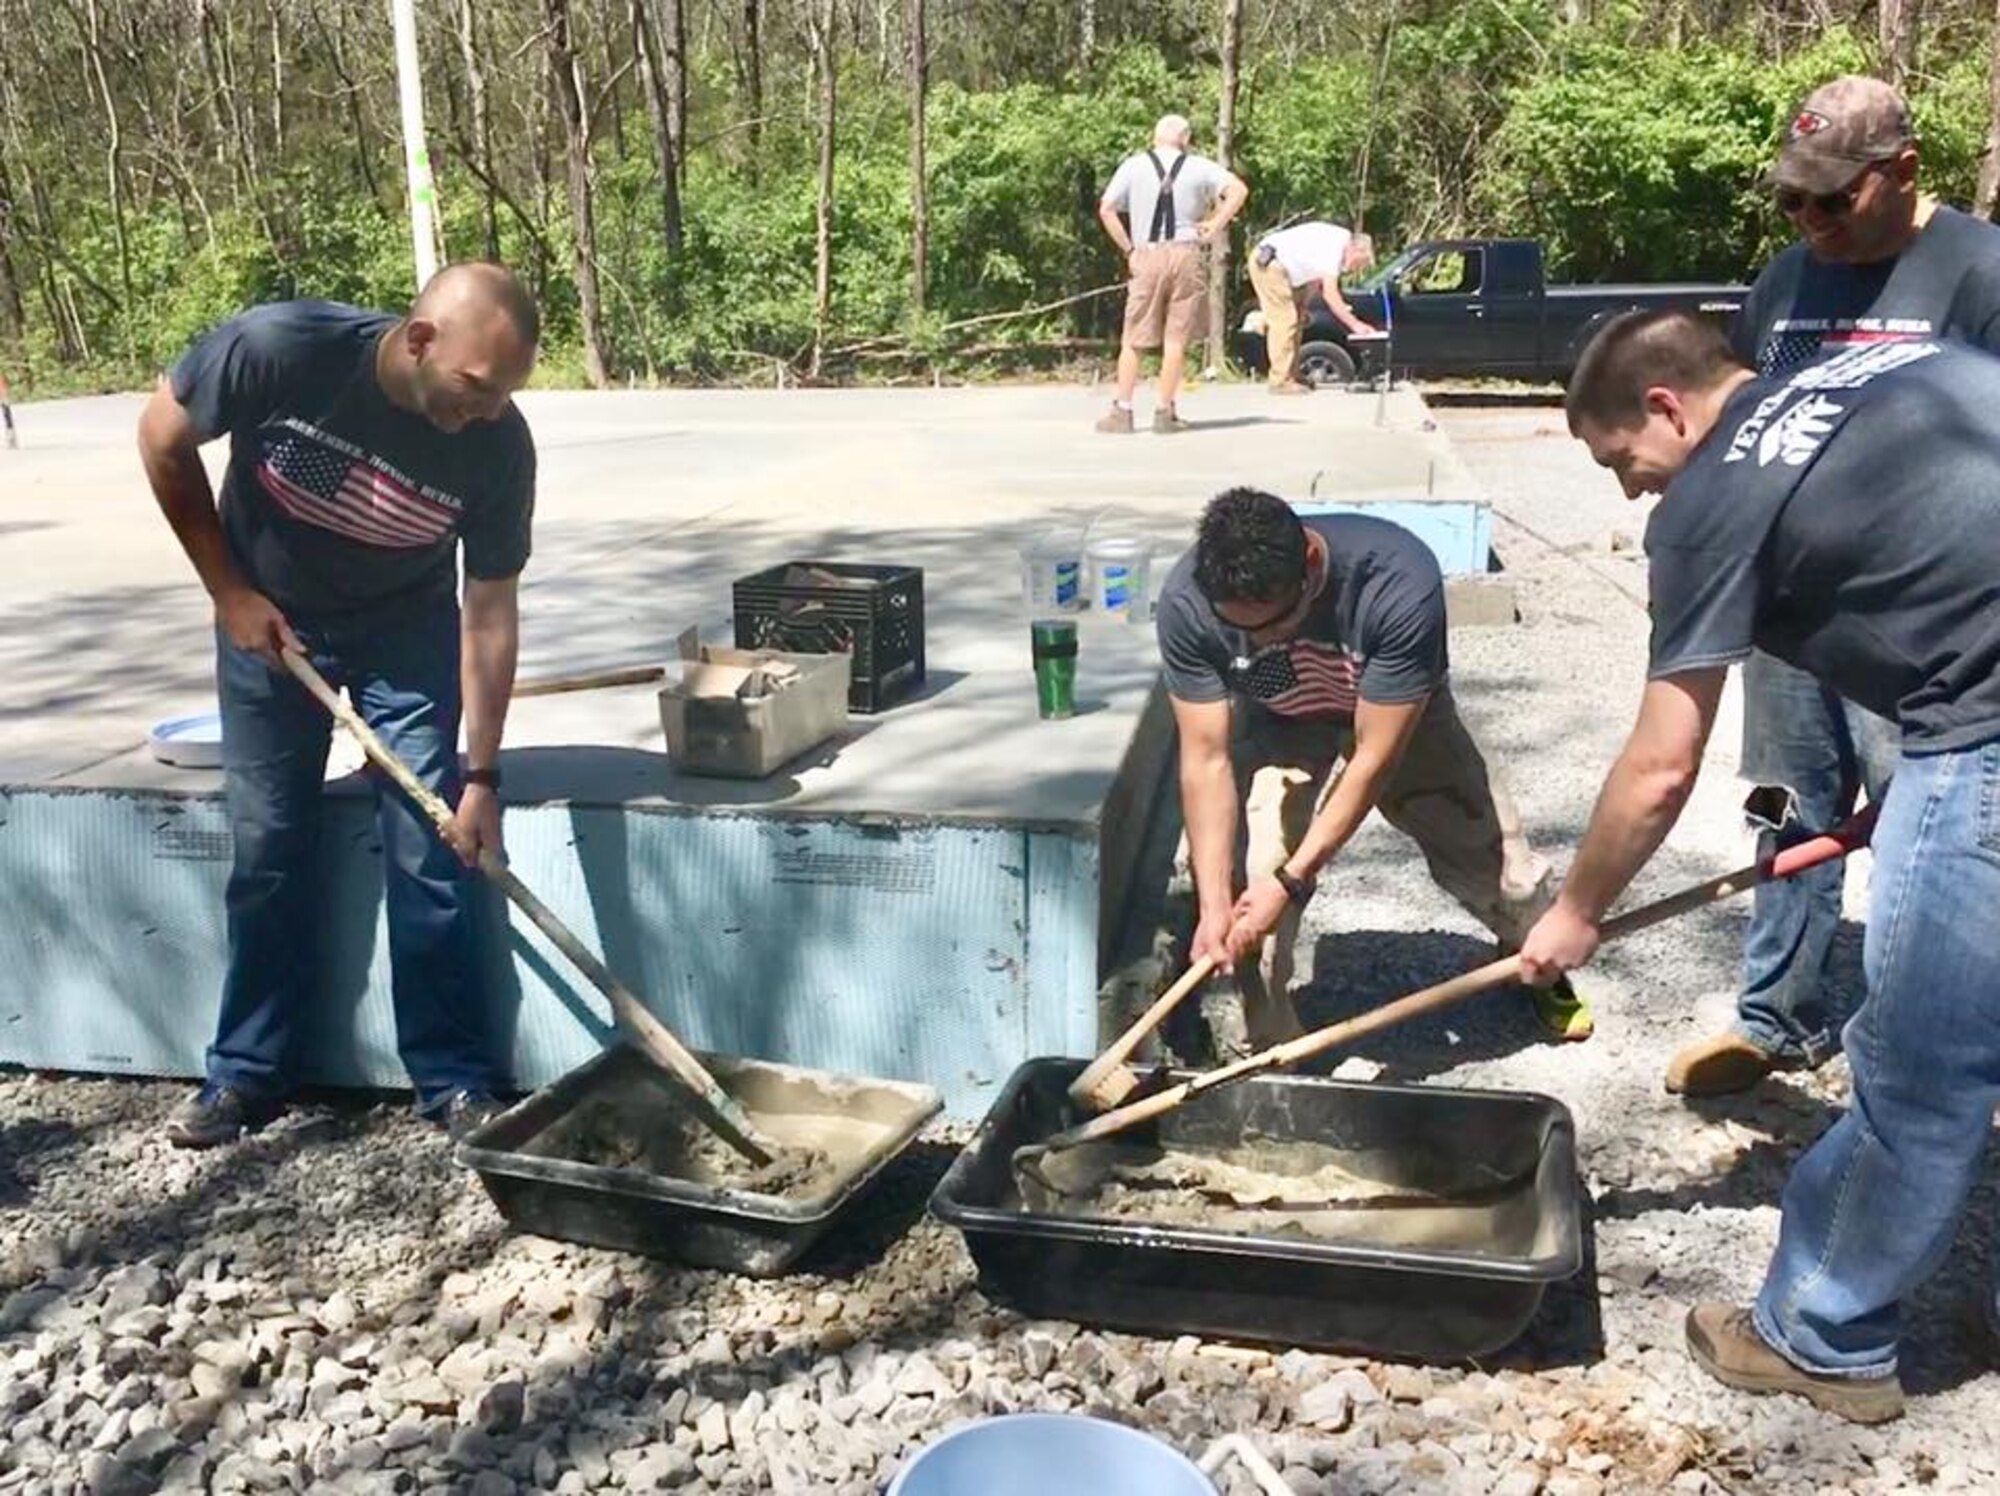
403,678
1802,738
1870,1209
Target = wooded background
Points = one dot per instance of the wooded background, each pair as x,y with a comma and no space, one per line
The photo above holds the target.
761,189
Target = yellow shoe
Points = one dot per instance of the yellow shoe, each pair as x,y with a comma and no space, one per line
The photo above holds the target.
1718,1066
1562,1012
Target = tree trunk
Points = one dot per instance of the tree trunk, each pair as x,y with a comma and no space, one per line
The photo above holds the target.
277,79
1988,190
1225,145
659,113
671,44
1896,31
470,53
13,317
567,94
1375,92
1086,34
753,78
920,204
114,168
824,17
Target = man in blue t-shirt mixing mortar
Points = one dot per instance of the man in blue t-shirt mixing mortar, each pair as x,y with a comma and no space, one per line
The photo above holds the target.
1305,660
1845,519
366,452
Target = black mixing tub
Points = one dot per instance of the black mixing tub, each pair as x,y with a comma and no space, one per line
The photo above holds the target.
1439,1299
547,1170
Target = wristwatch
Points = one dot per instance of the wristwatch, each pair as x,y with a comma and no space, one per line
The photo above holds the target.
488,777
1297,889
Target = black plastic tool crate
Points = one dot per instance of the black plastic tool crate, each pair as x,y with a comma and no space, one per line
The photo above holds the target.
874,613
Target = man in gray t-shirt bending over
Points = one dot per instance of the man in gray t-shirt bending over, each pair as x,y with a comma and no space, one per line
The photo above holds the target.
1305,659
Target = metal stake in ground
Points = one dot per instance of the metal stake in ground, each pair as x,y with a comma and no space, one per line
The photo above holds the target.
1851,835
710,1102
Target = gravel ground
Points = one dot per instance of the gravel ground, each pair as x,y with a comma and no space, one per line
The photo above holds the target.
334,1306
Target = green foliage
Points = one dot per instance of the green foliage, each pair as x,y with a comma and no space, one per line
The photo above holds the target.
1629,156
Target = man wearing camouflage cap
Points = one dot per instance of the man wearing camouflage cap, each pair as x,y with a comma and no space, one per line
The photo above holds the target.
1876,261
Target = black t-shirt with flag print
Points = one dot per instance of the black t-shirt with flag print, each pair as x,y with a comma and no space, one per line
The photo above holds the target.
1846,518
338,504
1376,631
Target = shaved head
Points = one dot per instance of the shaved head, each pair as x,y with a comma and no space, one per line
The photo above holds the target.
480,285
466,346
1172,130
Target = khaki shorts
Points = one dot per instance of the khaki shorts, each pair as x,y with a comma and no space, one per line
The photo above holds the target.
1166,301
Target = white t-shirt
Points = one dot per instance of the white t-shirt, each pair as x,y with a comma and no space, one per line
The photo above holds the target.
1310,251
1135,188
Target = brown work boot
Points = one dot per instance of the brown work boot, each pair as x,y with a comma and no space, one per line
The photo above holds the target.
1117,421
1166,421
1720,1065
1726,1345
1291,387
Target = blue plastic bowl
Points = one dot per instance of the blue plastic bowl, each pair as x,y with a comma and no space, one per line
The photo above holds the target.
1049,1454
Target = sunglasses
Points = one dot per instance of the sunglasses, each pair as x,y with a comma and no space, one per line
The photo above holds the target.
1792,202
1290,612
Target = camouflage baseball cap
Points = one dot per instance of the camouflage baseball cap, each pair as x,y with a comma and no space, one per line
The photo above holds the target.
1839,128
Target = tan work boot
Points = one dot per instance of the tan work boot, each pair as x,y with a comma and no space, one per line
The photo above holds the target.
1291,387
1725,1344
1167,420
1117,421
1720,1065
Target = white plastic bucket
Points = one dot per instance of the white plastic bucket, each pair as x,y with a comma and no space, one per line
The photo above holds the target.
1052,576
1049,1454
1119,577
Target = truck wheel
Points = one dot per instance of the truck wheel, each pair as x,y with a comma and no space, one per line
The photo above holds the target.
1325,364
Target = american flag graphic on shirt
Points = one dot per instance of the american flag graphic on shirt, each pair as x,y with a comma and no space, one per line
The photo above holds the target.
322,481
1796,340
1301,678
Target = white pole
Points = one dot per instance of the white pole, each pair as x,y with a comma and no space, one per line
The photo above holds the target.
416,156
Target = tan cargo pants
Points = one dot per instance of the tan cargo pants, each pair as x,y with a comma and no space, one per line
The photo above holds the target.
1279,301
1442,794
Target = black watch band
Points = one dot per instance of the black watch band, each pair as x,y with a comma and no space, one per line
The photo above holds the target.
1297,889
488,777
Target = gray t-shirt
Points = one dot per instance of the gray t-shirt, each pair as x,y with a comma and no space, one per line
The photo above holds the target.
1376,632
336,502
1946,284
1135,191
1846,519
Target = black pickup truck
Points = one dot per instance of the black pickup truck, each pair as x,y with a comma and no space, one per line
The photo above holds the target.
1470,306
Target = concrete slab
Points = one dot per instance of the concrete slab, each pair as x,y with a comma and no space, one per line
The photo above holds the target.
652,503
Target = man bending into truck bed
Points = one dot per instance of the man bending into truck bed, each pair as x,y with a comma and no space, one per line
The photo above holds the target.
1305,659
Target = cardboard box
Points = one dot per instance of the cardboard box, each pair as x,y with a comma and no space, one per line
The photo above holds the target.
740,713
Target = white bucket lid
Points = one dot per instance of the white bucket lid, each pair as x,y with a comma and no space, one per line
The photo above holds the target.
187,742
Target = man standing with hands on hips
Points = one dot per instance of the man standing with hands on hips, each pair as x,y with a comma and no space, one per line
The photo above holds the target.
365,451
1175,202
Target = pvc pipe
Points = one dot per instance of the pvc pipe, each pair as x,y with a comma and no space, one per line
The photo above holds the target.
1261,1469
416,155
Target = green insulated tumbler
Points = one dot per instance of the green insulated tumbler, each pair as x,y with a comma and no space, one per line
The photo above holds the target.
1054,643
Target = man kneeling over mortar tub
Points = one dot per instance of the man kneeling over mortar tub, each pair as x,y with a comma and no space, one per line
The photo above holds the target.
1306,663
1844,517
